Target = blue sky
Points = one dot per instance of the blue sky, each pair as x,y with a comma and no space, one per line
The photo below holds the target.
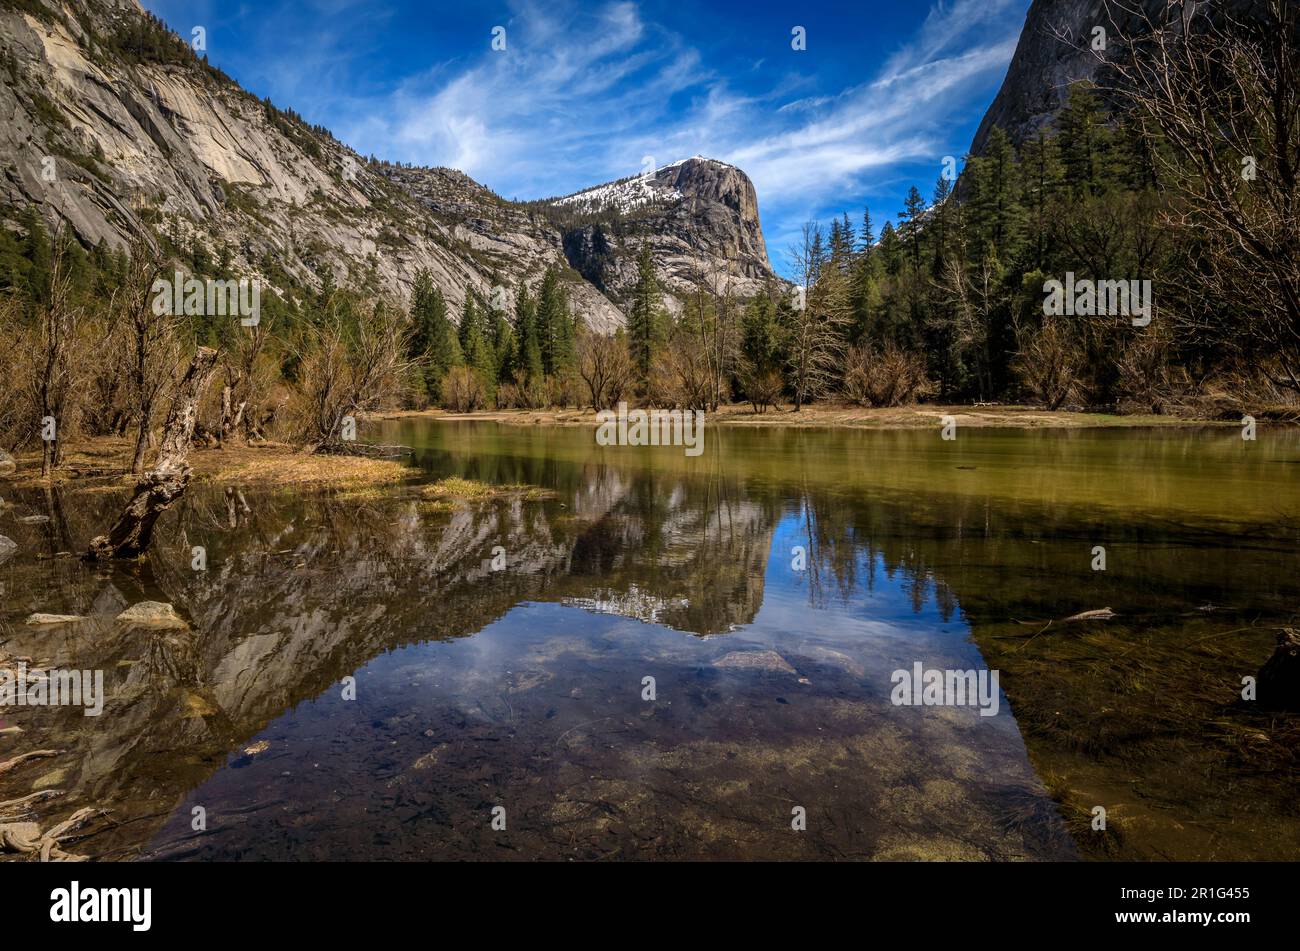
585,91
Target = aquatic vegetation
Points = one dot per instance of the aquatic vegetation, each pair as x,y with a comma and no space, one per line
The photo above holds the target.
467,490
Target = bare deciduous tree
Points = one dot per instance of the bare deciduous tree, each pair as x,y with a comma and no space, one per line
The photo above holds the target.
351,363
681,376
53,386
151,349
1221,100
606,367
713,318
244,382
160,488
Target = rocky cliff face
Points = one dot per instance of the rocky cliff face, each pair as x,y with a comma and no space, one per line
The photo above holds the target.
699,215
1054,52
112,129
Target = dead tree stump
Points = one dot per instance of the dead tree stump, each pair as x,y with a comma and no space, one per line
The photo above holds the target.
1279,678
159,488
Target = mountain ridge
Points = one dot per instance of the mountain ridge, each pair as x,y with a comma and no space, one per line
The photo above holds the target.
116,126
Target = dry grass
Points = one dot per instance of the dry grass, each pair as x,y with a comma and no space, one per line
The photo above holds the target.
273,466
103,463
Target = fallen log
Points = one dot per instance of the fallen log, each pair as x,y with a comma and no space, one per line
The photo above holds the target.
159,488
364,450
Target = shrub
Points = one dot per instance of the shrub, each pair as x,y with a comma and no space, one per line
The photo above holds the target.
1049,364
890,376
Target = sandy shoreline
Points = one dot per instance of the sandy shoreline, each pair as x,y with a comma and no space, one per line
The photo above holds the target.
834,416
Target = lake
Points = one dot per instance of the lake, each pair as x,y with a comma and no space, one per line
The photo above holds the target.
688,658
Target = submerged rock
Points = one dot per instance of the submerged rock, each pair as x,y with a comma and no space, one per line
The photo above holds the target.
153,614
7,464
33,520
833,658
769,661
7,549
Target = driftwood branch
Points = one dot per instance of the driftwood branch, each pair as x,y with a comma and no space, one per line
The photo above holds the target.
25,757
159,488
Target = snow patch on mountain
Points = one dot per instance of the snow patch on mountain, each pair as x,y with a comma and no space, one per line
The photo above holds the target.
625,195
638,191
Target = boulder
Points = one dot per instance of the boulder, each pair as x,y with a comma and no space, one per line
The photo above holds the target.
8,547
7,464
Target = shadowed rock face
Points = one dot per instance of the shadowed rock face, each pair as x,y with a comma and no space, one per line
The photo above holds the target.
177,143
1054,52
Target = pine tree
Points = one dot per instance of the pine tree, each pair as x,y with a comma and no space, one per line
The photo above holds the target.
38,252
817,253
506,348
836,241
529,368
475,343
868,233
1040,192
432,338
761,335
909,227
939,225
862,296
848,235
1086,142
996,217
554,326
645,323
891,251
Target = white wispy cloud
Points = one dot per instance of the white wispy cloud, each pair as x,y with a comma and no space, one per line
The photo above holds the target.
579,95
583,93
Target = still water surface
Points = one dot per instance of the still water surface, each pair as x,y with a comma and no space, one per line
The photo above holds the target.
770,587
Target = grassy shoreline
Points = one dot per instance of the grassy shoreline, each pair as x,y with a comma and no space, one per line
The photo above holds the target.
103,463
